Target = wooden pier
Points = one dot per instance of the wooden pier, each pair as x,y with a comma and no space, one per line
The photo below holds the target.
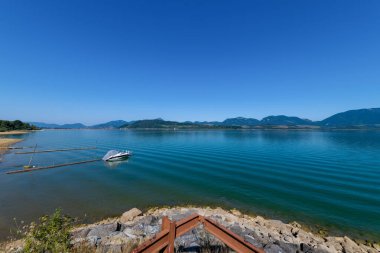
51,166
164,241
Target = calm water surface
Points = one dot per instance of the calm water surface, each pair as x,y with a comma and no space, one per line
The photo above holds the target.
326,178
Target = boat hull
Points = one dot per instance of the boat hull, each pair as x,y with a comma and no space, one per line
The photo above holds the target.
118,158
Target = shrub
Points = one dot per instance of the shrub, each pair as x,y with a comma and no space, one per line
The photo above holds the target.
51,234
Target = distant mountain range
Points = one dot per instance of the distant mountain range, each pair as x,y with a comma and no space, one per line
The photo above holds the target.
164,124
56,126
362,118
285,120
108,125
241,121
111,124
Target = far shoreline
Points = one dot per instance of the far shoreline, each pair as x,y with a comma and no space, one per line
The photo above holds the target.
218,129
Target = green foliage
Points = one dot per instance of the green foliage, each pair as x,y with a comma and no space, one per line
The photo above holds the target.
51,234
6,125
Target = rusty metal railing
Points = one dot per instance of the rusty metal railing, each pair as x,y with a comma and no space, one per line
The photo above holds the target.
164,240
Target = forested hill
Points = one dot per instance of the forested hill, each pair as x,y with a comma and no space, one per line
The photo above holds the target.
359,117
6,125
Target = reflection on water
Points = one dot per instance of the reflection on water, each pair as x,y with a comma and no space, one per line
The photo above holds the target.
115,164
360,139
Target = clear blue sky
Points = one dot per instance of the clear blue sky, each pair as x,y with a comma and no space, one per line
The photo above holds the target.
94,61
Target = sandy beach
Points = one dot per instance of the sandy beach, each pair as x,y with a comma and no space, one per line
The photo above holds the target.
6,142
15,132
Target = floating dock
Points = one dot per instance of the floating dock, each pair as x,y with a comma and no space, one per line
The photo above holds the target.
51,166
15,147
54,150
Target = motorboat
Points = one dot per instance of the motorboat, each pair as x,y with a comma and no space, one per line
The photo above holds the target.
114,155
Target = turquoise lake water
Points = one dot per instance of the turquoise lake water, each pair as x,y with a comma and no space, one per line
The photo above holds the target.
329,178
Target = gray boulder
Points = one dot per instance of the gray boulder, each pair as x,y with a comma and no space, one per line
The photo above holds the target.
103,230
130,215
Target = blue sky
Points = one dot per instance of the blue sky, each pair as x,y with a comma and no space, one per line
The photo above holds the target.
94,61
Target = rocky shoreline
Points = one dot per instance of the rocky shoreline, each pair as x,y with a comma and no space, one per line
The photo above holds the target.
134,227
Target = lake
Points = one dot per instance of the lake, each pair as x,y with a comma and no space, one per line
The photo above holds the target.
325,178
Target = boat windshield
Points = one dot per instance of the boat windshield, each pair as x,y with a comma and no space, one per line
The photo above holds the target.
109,154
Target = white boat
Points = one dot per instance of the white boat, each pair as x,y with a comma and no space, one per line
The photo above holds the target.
114,155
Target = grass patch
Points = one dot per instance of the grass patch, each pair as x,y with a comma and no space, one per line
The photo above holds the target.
50,234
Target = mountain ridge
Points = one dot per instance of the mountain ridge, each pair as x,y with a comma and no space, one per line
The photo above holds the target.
352,118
